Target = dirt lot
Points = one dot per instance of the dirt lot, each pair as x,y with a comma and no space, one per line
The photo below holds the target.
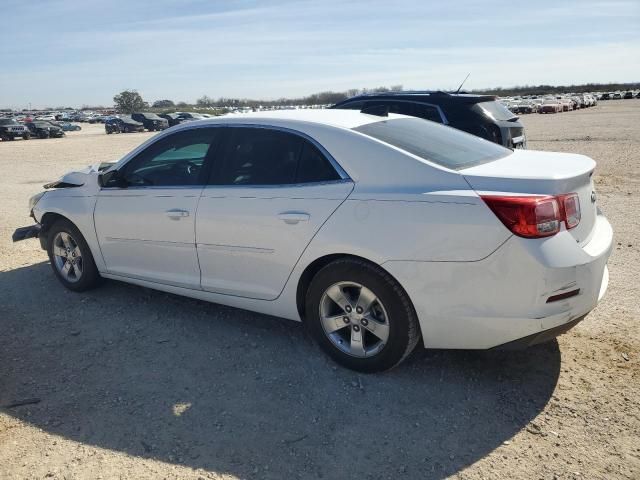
133,383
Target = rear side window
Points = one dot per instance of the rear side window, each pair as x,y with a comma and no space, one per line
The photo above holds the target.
262,156
314,166
442,145
420,110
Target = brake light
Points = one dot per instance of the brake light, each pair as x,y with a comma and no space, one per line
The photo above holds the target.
529,217
570,205
535,216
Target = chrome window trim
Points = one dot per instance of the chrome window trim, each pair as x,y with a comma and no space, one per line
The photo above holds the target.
281,185
344,177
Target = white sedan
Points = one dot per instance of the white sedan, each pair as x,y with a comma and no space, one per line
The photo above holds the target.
375,231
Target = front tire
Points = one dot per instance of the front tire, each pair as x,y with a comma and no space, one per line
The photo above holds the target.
71,257
360,316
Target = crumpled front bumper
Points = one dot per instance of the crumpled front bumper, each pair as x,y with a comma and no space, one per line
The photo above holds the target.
22,233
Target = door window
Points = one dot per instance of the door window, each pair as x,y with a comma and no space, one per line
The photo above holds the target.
262,156
177,159
420,110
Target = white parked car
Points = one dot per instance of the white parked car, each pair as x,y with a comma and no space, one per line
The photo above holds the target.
375,231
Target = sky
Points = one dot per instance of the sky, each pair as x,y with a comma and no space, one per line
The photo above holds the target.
83,52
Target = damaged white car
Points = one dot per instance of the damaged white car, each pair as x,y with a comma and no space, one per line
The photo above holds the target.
375,231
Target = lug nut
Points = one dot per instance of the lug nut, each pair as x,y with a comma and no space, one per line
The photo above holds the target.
356,328
364,322
358,309
348,308
345,319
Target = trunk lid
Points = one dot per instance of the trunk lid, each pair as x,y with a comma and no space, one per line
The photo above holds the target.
527,172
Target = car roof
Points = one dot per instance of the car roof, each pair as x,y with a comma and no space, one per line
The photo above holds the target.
416,95
347,119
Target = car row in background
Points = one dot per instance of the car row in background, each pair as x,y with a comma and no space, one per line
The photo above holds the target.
549,104
141,121
10,129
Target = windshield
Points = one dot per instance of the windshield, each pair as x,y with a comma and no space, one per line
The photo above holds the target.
7,121
151,116
442,145
494,110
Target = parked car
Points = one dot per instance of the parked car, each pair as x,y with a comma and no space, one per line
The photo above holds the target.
11,129
525,107
480,115
172,118
190,116
96,119
151,121
69,127
122,124
550,105
372,230
628,95
42,129
616,96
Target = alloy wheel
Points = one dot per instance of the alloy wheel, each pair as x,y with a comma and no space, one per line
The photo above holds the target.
67,257
354,319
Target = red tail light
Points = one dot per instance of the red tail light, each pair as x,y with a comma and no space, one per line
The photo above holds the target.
570,206
535,216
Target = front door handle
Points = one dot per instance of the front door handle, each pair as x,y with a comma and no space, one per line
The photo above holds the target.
291,218
176,213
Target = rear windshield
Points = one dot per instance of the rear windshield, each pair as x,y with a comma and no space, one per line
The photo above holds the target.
151,116
495,110
442,145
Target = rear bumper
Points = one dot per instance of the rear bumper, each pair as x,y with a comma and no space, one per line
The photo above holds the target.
504,297
541,337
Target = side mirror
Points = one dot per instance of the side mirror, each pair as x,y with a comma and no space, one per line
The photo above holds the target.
113,178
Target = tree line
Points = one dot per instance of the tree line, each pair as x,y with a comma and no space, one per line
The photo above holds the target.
130,101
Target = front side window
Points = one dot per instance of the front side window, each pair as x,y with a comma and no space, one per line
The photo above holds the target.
263,156
177,159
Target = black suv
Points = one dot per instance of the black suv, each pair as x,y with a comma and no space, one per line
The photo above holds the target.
124,123
480,115
10,129
151,121
44,129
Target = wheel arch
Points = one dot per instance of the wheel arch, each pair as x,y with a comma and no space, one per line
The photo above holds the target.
318,264
48,219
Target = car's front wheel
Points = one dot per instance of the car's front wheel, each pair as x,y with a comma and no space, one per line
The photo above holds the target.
361,316
71,257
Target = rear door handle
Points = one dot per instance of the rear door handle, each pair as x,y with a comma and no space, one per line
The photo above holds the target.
176,213
291,218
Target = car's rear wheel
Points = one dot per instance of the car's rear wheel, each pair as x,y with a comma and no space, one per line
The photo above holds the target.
361,316
71,257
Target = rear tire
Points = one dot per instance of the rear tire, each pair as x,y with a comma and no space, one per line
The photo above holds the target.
71,258
374,329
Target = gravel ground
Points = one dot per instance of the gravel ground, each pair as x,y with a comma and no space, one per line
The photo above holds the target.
126,382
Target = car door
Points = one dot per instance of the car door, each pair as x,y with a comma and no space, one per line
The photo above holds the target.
145,214
269,193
